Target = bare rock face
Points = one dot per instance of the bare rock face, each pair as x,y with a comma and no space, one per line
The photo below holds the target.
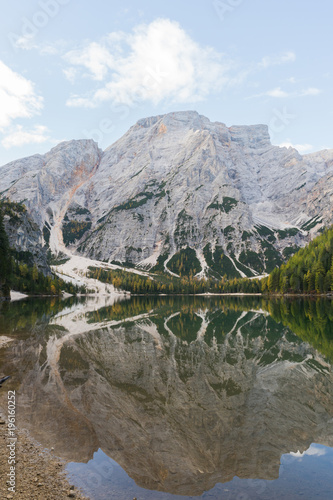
25,236
46,184
176,181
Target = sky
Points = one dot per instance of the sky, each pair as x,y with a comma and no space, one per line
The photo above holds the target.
78,69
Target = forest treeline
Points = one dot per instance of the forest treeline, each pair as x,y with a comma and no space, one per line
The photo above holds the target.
165,284
309,271
30,280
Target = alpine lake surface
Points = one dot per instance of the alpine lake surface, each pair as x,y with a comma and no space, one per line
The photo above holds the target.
177,397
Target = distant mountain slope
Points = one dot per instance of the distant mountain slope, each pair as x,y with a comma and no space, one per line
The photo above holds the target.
178,190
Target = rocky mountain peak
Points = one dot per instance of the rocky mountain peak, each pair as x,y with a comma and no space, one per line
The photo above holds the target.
244,135
252,136
180,118
77,145
72,156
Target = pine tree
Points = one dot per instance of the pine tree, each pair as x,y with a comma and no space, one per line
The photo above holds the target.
5,262
310,270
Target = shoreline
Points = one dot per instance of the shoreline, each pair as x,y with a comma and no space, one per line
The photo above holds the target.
236,294
39,474
20,296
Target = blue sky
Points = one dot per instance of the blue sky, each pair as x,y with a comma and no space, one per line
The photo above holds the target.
75,69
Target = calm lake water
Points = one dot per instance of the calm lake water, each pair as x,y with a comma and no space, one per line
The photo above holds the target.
174,398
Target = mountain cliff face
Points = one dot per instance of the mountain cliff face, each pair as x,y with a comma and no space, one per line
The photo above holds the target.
25,236
173,182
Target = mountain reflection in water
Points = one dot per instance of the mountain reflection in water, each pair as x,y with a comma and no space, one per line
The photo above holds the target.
182,392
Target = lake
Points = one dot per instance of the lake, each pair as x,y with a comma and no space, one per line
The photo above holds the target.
167,398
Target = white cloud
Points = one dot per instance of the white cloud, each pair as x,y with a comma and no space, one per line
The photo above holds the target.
19,137
301,148
315,450
17,97
49,49
278,92
96,58
156,62
286,57
70,74
310,91
312,451
77,101
25,42
28,42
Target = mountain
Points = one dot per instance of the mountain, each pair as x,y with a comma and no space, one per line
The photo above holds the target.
180,193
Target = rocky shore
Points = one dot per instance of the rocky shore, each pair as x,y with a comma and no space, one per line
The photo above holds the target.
39,474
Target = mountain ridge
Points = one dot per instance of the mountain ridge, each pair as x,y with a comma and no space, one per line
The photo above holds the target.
173,182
